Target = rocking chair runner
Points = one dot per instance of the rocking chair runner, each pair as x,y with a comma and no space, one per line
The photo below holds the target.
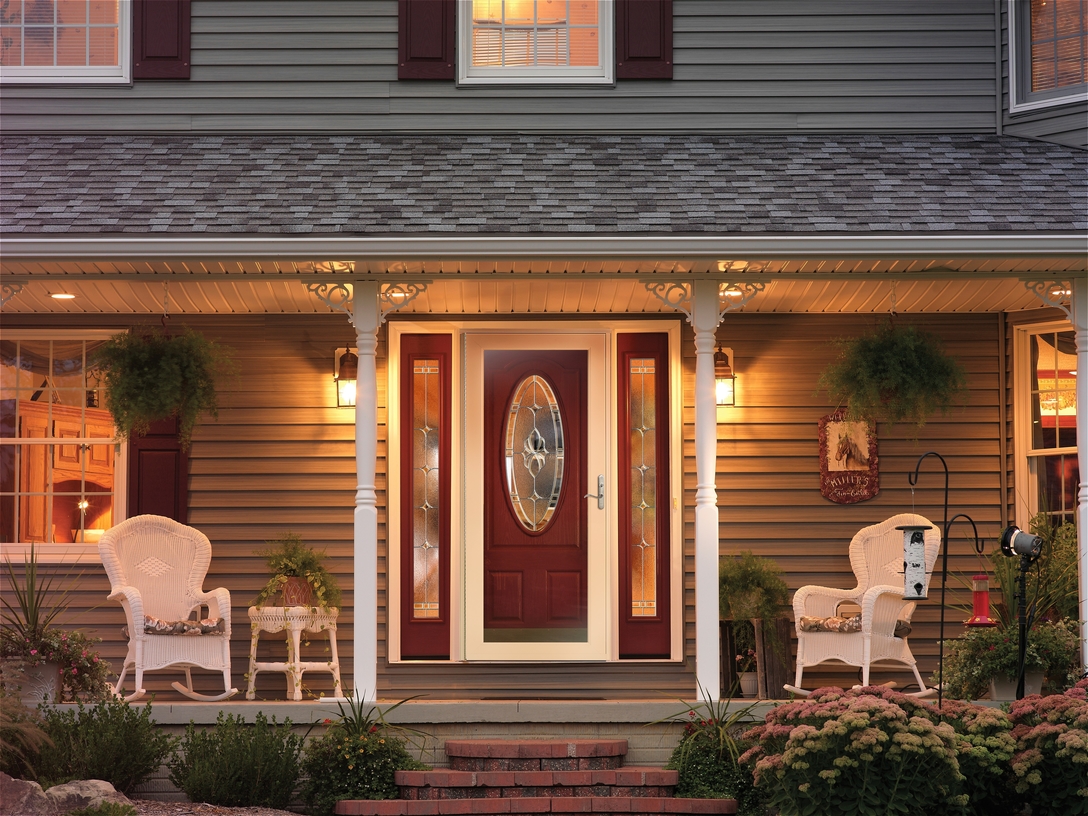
156,568
876,556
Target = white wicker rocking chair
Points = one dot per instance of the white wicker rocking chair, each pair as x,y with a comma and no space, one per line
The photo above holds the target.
876,556
156,568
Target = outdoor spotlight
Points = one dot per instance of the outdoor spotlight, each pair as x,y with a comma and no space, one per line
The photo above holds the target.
1015,541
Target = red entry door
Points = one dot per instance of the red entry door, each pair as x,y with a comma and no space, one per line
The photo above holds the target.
535,517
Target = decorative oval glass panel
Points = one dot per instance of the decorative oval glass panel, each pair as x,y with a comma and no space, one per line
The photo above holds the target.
534,453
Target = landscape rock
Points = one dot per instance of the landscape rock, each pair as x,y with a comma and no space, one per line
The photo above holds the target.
21,798
84,793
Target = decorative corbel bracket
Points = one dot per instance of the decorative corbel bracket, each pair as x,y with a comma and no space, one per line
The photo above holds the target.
678,296
8,291
340,297
1055,293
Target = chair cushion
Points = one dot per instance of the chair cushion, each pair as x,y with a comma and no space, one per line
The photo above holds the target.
208,626
834,623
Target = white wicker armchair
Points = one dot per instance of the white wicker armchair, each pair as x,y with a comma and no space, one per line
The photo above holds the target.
156,568
876,556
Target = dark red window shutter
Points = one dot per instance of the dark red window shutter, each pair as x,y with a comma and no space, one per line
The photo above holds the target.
426,39
160,39
644,39
158,473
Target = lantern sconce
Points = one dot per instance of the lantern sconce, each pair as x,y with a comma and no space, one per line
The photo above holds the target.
725,380
345,373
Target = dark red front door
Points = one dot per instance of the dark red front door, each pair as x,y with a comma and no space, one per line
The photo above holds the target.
535,534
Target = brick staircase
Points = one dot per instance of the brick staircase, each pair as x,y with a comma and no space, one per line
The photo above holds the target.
561,778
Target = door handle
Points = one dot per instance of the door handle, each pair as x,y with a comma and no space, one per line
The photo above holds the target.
599,495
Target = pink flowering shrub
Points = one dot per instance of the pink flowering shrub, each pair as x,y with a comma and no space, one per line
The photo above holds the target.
1051,761
83,674
856,752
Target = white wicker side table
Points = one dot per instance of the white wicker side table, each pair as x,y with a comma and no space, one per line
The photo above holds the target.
295,620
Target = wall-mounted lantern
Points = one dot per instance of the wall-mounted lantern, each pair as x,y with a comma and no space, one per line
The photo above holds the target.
725,381
345,372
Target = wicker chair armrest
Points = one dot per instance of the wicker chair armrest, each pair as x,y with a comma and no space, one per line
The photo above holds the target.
218,601
133,602
819,601
882,606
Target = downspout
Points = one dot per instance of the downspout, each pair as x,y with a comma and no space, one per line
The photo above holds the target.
1080,327
999,107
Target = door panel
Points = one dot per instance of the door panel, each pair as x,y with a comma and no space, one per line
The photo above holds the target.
535,579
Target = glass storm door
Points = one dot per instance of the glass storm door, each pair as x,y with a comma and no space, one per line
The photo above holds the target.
536,447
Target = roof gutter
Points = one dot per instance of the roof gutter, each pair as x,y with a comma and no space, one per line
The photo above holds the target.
329,247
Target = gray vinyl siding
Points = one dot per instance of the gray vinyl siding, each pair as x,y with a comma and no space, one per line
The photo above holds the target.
739,66
1062,124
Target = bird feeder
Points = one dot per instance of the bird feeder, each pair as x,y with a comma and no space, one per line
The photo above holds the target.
914,561
980,602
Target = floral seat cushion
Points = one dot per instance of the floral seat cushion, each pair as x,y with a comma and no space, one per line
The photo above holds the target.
835,623
208,626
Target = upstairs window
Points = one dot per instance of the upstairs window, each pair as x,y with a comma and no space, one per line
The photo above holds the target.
538,41
1048,52
65,41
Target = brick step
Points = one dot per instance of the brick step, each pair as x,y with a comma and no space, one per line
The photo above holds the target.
536,755
558,806
453,784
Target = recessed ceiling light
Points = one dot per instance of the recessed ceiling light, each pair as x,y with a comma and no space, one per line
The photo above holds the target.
62,296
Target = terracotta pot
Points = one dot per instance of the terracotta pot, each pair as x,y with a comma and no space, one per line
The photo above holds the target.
296,592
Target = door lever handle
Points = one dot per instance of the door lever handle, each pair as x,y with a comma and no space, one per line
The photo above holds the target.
599,495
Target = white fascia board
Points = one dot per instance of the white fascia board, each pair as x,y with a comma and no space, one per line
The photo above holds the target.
91,248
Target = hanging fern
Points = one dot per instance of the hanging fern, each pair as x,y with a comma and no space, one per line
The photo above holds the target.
151,376
895,374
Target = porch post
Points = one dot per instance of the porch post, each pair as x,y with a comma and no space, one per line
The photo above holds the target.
705,316
367,317
1080,327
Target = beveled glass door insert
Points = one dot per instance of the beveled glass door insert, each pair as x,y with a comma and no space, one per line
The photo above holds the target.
534,453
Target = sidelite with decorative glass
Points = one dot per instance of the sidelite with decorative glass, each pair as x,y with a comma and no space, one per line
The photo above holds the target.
1054,421
426,495
643,499
536,40
534,453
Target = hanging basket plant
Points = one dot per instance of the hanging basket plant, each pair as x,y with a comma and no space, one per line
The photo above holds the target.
894,374
150,375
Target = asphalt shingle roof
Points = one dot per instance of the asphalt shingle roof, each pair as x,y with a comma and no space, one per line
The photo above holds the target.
539,184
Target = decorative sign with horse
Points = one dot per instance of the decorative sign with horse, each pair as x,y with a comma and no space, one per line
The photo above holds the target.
848,459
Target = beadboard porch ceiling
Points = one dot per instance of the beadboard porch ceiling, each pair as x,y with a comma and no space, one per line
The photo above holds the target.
524,288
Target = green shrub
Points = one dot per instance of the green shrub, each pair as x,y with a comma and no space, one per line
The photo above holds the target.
111,741
1051,763
105,809
356,758
238,765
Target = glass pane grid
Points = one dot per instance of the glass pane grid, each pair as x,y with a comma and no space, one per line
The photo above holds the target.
59,33
535,33
1059,44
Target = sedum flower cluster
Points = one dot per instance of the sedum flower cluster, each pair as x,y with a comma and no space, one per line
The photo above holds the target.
875,751
1051,761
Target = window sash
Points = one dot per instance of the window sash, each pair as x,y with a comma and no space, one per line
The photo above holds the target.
1022,60
114,25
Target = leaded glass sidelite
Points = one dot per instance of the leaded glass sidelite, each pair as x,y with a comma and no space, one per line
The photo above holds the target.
534,453
643,543
426,426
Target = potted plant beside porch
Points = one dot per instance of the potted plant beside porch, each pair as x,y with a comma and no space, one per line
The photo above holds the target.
752,589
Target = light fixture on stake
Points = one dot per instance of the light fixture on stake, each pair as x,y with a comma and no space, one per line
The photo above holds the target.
1015,541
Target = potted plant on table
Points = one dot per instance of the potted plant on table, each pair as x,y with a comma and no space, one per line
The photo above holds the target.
896,373
298,575
751,589
48,662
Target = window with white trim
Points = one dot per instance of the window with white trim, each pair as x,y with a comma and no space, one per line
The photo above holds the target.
1048,53
537,41
65,41
59,453
1046,401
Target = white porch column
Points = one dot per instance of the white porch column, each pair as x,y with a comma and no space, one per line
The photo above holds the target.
705,316
367,317
1080,326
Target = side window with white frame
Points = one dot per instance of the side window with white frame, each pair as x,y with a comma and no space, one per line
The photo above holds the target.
61,478
1048,53
65,41
537,41
1048,473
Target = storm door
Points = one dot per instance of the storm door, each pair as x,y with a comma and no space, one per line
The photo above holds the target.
537,490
